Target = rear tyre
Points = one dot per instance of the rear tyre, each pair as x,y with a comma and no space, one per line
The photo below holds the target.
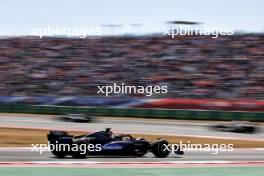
159,149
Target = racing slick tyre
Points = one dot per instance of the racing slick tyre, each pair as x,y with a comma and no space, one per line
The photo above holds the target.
159,149
53,137
79,153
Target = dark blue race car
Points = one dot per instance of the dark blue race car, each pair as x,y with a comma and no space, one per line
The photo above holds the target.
105,143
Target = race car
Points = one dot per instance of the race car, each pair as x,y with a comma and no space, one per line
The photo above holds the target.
81,118
236,126
105,143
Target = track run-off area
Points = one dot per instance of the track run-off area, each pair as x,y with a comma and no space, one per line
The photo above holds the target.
24,162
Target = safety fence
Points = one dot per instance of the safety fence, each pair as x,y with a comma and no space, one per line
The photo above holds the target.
135,112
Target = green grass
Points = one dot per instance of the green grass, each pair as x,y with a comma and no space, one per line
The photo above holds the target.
203,171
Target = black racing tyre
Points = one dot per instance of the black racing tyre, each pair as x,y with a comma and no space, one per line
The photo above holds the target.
80,154
159,149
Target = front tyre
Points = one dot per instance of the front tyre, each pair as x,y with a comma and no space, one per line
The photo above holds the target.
160,149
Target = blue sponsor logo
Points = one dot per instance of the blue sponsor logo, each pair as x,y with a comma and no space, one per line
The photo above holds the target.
112,146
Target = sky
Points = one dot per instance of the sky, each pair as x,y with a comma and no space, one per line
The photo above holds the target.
18,17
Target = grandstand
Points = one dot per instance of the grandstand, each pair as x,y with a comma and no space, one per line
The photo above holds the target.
229,67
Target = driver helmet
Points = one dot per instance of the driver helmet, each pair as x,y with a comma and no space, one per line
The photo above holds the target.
109,132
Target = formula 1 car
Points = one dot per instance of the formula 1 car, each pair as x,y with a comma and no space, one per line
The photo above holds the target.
81,118
236,127
105,143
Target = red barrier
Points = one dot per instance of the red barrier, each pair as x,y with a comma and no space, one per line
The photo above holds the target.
205,104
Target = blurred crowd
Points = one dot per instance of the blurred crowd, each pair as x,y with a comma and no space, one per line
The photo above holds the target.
191,66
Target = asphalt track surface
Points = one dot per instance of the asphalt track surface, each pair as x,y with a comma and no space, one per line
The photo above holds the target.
25,155
122,125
